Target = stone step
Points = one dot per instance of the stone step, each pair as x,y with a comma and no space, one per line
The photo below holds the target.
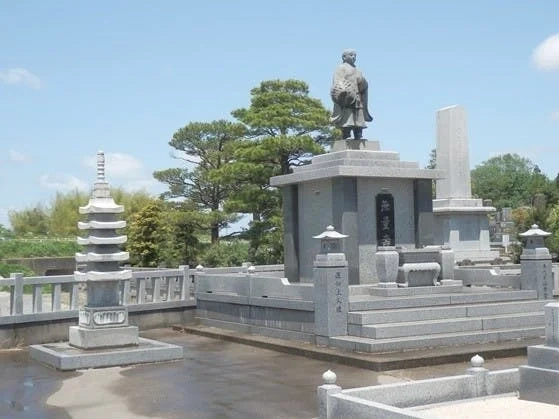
434,327
362,302
444,312
372,291
361,344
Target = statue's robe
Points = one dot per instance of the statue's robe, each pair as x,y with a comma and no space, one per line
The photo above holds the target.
349,94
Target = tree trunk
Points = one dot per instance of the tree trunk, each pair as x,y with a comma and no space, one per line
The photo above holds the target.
215,233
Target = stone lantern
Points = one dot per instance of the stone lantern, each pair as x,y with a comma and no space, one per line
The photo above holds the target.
331,287
535,263
330,246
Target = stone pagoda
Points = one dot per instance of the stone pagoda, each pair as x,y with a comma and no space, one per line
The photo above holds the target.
103,322
103,337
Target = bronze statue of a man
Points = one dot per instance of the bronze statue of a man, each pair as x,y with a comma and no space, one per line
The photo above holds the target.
349,94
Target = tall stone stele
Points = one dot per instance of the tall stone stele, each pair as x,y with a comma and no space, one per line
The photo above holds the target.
460,221
103,322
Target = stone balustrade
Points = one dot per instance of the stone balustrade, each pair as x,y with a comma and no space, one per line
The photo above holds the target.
66,293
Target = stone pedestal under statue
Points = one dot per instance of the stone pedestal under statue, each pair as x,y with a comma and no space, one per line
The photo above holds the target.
368,194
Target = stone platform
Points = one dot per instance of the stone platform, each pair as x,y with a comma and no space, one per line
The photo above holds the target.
64,357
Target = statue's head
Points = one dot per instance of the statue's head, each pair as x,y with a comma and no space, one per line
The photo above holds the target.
349,56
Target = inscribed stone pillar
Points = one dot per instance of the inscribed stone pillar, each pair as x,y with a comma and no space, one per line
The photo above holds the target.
453,153
331,288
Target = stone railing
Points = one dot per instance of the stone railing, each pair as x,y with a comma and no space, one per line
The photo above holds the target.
405,400
490,277
34,295
265,288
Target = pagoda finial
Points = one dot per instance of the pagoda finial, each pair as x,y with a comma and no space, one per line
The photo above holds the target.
101,166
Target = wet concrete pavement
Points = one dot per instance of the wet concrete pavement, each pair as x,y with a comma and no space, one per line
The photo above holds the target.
216,379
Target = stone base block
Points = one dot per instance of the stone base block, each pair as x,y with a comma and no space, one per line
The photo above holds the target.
387,285
451,282
85,338
539,384
64,357
475,255
544,356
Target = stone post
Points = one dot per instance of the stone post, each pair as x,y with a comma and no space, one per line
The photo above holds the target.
16,294
446,260
386,261
539,380
324,391
535,264
331,288
480,373
552,325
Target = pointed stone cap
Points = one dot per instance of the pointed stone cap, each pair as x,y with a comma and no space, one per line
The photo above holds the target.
535,231
101,201
330,233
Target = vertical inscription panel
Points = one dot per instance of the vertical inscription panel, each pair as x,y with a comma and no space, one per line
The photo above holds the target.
386,233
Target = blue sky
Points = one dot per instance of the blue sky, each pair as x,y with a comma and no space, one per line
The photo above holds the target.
122,76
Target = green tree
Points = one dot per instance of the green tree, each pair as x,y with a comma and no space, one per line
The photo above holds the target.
285,128
5,233
64,213
506,180
60,218
205,147
146,235
553,227
432,159
30,221
163,234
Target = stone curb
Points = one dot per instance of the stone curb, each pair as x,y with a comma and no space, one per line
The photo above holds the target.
376,362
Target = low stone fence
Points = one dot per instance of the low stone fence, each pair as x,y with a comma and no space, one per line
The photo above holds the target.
254,302
506,276
491,277
40,309
404,400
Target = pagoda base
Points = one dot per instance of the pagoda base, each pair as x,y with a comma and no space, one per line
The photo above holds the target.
65,357
86,338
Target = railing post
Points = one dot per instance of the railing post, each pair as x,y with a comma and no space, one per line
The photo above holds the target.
37,298
75,296
324,391
56,291
126,292
141,291
156,296
171,282
183,281
199,270
16,294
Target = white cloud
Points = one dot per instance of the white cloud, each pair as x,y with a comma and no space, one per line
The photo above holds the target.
118,165
20,76
546,54
17,156
62,182
555,116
